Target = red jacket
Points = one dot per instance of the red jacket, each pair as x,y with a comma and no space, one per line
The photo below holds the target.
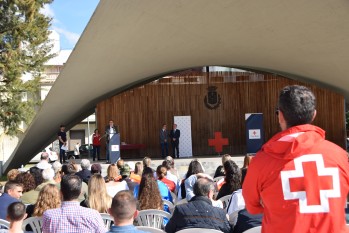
285,178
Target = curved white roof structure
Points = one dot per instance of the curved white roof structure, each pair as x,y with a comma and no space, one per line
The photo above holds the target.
130,42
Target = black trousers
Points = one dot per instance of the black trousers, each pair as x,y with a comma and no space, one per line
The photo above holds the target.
175,147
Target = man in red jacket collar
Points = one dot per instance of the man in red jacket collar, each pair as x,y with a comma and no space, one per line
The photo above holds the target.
298,180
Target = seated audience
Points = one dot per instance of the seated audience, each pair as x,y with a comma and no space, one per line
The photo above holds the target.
199,212
169,175
246,221
49,198
44,161
220,169
70,169
48,175
71,217
12,174
194,168
98,198
15,215
37,174
12,193
112,181
124,211
125,176
149,196
247,161
29,194
85,173
96,168
232,179
161,173
146,162
137,174
120,163
57,168
236,202
172,168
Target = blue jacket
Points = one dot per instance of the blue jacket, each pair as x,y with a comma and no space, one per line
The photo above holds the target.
198,213
5,201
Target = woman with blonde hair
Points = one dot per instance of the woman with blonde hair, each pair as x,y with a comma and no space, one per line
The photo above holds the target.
49,198
112,181
98,197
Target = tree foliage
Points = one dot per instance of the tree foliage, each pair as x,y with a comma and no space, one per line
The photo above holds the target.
24,48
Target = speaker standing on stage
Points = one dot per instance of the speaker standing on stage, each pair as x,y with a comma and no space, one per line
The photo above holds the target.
174,135
110,130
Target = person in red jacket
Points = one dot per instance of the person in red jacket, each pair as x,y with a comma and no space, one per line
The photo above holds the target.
298,180
96,143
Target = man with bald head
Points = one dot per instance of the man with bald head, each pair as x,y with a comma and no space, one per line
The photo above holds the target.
44,161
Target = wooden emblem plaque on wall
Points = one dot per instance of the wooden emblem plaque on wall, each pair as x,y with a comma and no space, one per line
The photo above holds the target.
212,99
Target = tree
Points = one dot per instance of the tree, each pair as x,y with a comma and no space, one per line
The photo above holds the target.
24,48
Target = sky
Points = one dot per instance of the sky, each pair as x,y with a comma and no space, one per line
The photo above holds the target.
70,18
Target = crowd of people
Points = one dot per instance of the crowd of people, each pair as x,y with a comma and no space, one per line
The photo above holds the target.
297,182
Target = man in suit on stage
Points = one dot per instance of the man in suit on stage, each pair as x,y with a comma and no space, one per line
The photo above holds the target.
163,141
174,135
110,130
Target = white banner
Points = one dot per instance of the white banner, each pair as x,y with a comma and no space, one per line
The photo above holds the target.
185,140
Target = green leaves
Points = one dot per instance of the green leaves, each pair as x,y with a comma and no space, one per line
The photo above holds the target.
24,49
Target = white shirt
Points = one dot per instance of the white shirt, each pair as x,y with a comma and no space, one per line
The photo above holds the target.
113,189
236,202
173,178
43,164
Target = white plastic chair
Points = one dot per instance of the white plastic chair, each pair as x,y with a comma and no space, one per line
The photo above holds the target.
174,197
107,219
201,230
34,222
254,230
4,224
170,205
149,229
152,218
233,217
181,201
225,201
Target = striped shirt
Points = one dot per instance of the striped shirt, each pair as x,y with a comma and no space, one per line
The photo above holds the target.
71,218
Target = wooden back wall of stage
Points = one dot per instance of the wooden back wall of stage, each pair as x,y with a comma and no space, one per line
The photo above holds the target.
140,112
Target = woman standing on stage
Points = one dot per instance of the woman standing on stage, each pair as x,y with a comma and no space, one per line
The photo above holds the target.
96,143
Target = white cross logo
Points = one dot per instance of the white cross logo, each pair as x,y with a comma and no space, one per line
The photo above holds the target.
301,193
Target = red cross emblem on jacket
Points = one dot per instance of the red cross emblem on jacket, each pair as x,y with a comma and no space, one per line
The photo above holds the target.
311,183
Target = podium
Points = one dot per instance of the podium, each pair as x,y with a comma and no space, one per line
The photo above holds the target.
114,148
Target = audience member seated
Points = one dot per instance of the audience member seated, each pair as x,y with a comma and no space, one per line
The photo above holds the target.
169,175
98,198
147,163
85,173
220,169
12,193
199,212
149,196
71,217
29,194
172,168
137,174
15,215
12,174
112,181
47,175
37,174
125,176
70,169
247,161
232,179
49,198
124,211
96,168
246,221
57,168
120,163
161,173
165,193
195,168
236,202
44,161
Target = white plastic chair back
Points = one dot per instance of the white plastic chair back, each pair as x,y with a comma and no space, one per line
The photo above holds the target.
150,229
196,230
181,201
152,218
107,219
225,201
34,222
170,205
233,217
4,224
174,197
254,230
